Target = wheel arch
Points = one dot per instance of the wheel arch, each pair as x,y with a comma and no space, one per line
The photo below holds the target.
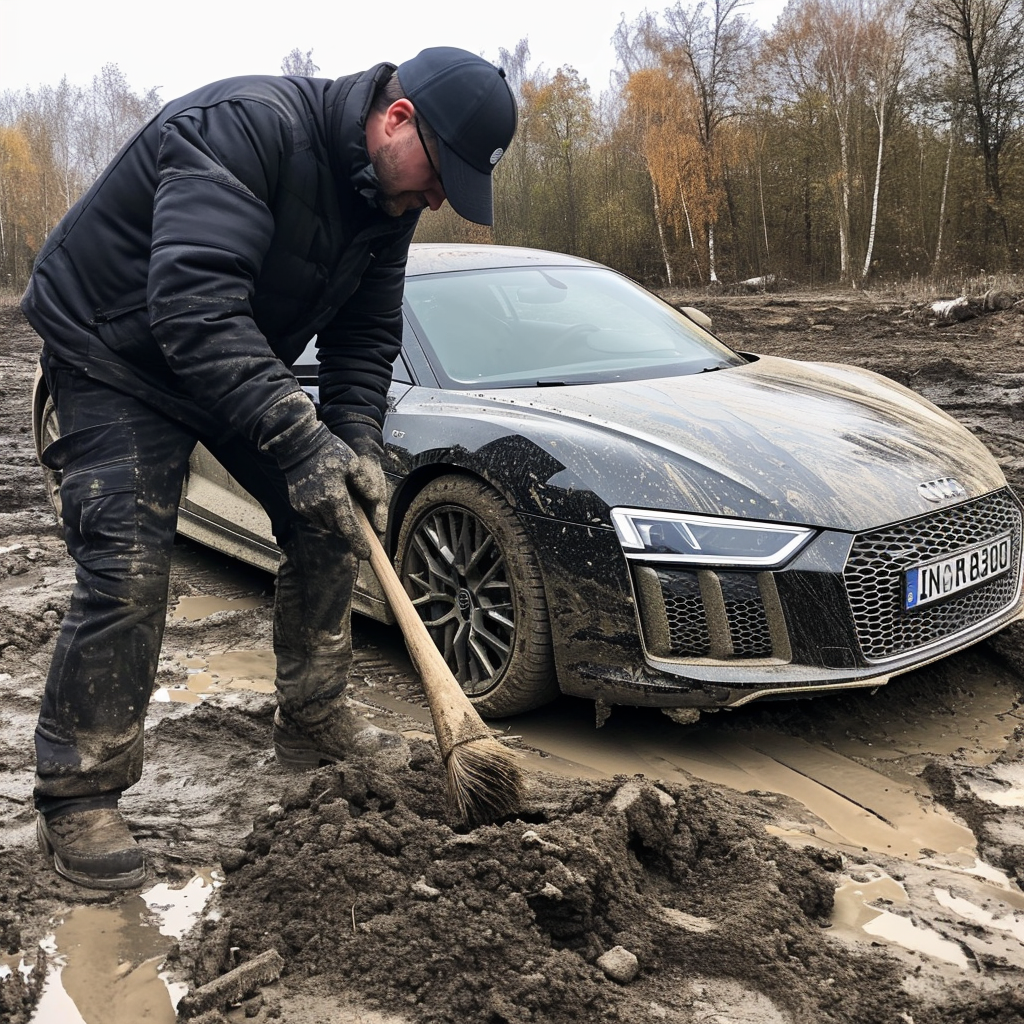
414,482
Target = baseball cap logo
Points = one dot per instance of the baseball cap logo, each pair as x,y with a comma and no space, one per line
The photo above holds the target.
496,155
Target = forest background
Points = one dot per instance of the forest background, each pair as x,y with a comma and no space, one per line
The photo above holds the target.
861,142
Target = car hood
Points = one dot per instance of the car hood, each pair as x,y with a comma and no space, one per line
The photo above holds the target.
818,444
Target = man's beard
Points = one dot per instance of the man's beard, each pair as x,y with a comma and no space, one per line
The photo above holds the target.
393,202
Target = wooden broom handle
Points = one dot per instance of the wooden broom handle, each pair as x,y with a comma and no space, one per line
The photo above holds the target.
455,718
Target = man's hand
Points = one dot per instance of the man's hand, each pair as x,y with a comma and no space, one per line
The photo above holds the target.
323,473
321,487
369,483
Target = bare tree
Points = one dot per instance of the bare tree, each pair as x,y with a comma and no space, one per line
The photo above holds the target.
300,64
987,56
55,141
819,51
110,113
886,46
515,172
709,46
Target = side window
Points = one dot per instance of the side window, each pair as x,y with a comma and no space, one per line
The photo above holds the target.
400,372
306,364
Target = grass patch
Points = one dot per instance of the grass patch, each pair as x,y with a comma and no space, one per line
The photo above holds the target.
949,286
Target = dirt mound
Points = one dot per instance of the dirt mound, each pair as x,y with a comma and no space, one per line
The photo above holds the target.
356,881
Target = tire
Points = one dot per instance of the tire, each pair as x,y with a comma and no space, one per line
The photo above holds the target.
49,431
472,573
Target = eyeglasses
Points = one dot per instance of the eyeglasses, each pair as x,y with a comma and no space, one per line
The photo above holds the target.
430,159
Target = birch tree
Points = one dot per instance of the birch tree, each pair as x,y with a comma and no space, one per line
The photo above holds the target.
708,46
887,37
818,47
300,64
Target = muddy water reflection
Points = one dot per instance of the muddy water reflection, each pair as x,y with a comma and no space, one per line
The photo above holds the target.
109,957
193,608
856,910
233,670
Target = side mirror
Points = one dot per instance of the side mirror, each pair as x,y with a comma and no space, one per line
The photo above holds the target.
699,318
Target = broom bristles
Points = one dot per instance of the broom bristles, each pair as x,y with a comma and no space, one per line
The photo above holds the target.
484,783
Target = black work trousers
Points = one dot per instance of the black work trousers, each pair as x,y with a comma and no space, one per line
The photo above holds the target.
122,465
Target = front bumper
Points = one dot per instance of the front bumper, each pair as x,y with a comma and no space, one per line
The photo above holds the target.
677,636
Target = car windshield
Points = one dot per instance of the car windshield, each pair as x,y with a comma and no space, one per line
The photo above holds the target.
536,326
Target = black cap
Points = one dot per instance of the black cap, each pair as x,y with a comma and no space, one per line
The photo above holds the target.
469,105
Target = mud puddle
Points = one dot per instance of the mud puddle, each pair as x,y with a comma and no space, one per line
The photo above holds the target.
108,960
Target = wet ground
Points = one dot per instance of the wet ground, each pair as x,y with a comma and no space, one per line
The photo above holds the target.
855,858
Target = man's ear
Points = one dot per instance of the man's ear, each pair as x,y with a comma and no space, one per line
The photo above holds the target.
400,113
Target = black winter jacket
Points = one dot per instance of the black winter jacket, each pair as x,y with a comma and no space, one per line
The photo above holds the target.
239,222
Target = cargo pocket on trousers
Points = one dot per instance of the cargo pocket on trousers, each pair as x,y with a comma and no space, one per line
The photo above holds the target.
101,514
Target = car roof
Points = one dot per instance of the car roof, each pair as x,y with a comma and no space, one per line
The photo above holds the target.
438,257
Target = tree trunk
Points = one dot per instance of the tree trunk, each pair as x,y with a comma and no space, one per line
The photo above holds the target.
845,274
764,218
942,203
689,231
661,232
874,198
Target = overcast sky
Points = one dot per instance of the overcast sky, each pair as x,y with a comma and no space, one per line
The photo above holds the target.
177,45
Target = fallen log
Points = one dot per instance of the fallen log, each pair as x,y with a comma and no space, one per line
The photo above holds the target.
234,986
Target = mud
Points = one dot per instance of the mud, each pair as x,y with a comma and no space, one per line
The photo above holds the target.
856,858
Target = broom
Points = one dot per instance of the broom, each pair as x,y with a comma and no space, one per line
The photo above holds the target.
483,781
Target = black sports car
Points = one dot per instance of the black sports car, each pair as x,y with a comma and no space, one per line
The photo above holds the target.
592,494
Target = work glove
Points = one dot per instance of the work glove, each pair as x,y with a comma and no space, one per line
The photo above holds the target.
324,475
372,487
322,486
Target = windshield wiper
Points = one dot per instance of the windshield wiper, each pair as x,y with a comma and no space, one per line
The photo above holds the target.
563,383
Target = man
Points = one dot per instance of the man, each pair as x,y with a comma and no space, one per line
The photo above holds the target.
172,299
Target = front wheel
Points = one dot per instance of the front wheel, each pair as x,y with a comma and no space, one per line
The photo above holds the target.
473,576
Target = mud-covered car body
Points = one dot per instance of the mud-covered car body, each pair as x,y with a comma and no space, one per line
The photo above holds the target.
580,505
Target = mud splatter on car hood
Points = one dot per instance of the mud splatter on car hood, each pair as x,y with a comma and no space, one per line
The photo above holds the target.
826,445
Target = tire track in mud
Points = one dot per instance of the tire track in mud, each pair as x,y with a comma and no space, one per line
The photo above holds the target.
860,808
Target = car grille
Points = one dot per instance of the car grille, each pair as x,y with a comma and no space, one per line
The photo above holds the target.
874,575
684,611
700,613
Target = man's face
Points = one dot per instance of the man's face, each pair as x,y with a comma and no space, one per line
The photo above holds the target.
403,166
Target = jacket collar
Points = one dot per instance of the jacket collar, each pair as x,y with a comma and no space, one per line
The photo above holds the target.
348,104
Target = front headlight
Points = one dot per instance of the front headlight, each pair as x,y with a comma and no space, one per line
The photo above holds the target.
702,540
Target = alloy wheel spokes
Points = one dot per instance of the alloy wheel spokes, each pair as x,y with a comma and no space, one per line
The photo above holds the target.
462,592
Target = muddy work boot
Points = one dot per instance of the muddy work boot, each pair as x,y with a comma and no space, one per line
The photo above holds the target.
299,745
93,848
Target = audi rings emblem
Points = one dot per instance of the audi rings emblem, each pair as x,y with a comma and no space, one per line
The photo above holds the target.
942,489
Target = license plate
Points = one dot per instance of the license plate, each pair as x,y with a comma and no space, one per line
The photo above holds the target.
935,581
